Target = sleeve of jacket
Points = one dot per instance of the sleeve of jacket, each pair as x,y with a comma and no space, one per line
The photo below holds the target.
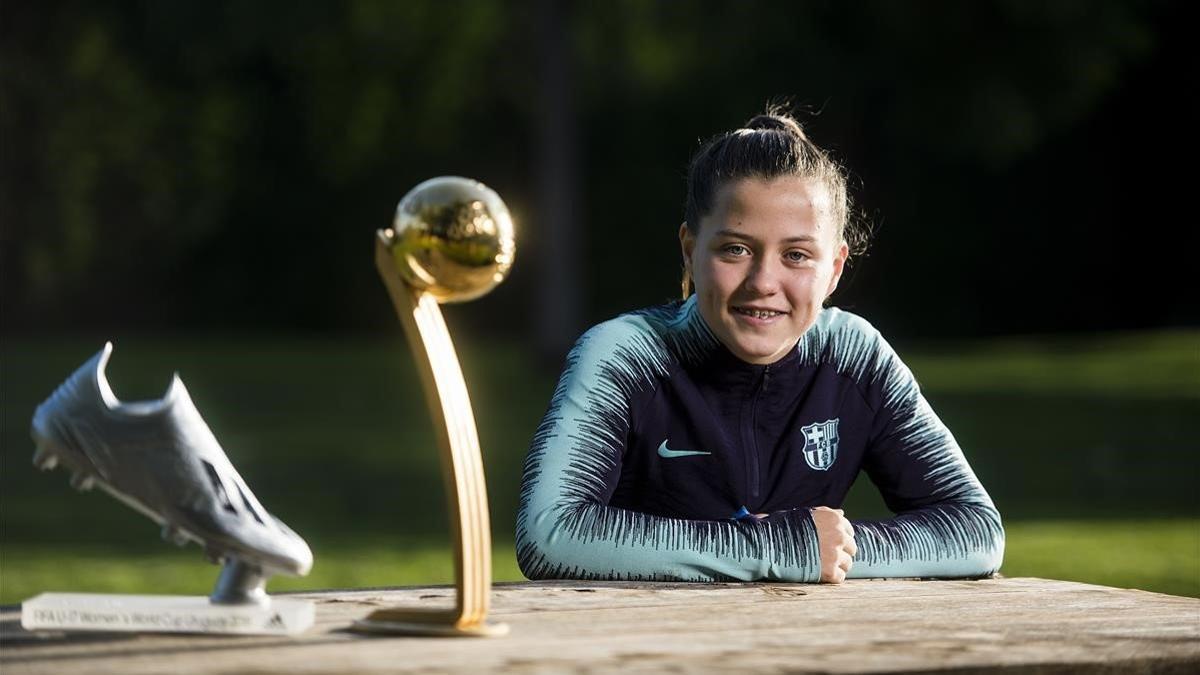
945,524
565,528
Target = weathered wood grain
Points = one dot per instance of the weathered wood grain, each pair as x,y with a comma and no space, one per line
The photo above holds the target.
1032,625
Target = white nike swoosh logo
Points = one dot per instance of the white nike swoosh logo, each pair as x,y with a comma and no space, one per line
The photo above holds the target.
664,451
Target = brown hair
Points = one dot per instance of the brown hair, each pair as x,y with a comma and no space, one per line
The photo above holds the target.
769,146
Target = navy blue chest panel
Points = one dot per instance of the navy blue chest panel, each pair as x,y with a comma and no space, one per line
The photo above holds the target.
705,449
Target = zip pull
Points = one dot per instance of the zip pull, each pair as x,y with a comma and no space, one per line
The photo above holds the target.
766,377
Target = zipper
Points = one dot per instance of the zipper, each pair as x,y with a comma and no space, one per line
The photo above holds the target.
750,435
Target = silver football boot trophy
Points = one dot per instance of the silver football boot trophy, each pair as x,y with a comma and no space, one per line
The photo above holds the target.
160,458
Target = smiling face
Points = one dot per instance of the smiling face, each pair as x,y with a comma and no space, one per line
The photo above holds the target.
763,262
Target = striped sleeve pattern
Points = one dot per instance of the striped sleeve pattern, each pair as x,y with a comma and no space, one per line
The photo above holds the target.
945,524
565,529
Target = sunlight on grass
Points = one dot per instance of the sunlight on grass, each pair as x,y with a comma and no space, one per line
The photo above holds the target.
1130,365
1153,555
27,571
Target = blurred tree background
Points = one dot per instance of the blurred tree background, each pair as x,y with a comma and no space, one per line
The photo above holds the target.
220,166
201,181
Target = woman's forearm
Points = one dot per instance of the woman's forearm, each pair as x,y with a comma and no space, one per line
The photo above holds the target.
946,540
593,541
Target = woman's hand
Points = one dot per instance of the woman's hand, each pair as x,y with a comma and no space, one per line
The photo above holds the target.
835,539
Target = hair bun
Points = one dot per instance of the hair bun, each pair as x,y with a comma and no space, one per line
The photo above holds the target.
775,121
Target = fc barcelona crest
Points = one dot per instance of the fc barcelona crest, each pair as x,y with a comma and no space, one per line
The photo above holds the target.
820,444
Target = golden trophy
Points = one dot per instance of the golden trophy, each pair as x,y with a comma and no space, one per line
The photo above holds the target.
451,241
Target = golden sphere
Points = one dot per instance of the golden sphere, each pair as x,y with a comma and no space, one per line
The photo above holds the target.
452,238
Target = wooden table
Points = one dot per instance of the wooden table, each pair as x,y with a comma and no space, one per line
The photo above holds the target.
863,626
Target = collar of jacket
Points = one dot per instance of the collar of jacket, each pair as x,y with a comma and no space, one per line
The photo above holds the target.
718,366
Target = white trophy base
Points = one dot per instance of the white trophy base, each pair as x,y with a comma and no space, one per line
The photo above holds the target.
164,614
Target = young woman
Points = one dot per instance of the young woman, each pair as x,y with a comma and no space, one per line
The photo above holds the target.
716,438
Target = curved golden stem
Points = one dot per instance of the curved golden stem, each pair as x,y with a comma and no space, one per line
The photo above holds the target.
462,467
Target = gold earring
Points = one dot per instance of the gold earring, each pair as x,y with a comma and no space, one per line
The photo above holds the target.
686,284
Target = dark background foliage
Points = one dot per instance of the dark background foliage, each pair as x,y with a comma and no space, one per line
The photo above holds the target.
220,166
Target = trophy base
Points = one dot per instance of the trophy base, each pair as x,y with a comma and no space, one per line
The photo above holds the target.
433,623
164,614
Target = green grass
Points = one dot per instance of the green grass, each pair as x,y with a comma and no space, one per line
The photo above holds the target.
1158,366
1152,555
1087,445
29,570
